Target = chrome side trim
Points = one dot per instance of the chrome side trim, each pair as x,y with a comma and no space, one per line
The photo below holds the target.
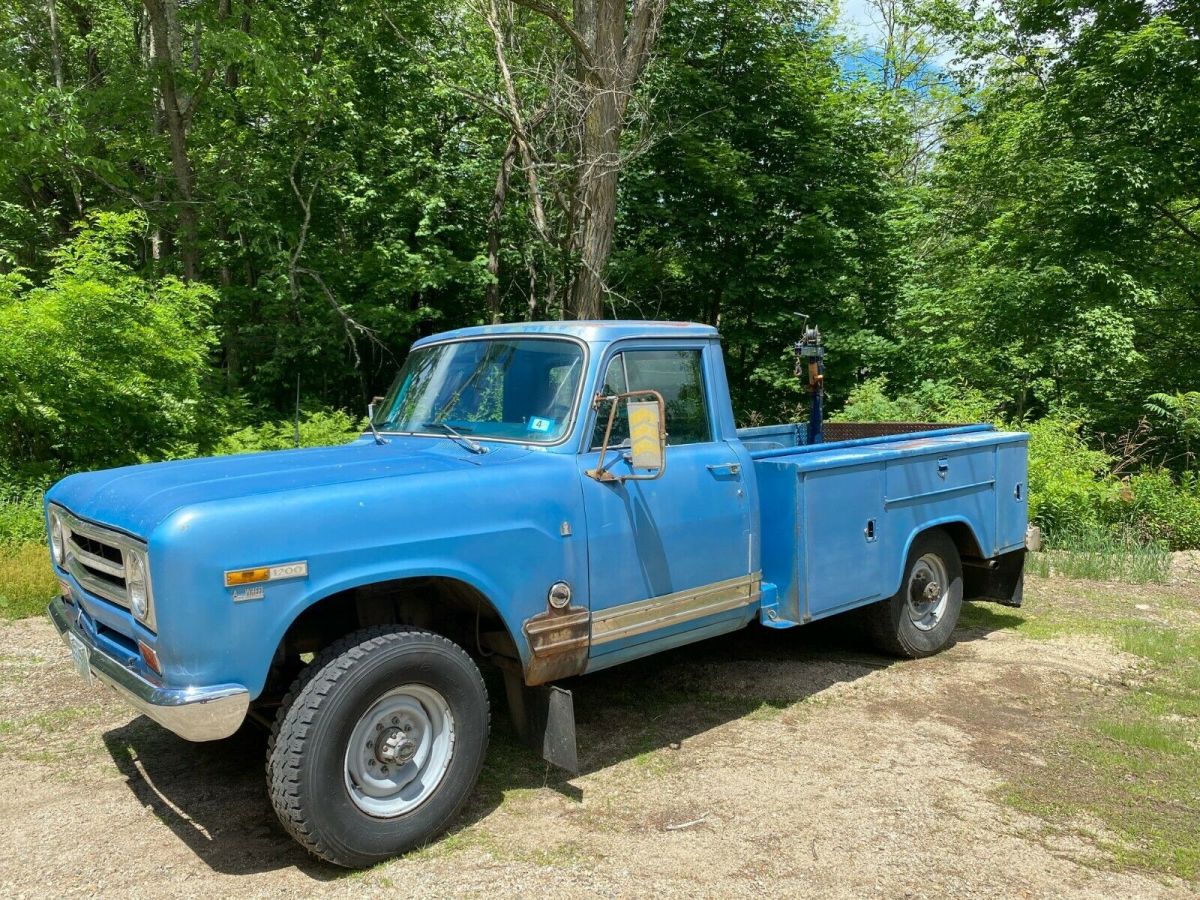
639,617
193,713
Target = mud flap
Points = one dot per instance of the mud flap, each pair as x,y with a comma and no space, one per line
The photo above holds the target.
544,717
1000,579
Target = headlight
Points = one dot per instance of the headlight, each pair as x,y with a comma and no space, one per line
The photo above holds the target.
58,545
137,584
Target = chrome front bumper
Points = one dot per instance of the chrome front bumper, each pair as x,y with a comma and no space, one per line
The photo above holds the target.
193,713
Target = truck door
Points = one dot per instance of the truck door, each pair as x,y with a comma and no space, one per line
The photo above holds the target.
670,555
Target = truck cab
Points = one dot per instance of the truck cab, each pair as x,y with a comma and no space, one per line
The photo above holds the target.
549,498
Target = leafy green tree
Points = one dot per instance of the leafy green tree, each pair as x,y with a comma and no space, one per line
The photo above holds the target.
759,198
1051,256
99,365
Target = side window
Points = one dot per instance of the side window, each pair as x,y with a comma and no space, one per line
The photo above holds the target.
678,376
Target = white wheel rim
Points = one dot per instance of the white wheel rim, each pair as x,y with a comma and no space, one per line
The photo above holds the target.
927,592
399,751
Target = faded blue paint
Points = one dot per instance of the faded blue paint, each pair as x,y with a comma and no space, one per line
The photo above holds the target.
818,501
425,506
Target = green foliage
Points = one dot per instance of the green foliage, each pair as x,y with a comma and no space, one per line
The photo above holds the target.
1166,508
759,196
1176,419
20,516
1102,553
1052,255
27,582
318,428
930,401
101,365
1070,488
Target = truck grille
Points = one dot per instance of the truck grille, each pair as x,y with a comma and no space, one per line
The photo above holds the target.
96,557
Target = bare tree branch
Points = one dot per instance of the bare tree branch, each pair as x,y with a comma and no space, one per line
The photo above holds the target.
556,16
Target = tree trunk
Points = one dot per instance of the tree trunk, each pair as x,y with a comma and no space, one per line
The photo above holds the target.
495,214
55,44
165,45
603,28
611,41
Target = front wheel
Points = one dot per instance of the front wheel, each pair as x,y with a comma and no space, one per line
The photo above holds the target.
378,744
920,618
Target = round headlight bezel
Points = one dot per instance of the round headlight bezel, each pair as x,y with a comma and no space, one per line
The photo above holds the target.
58,541
137,585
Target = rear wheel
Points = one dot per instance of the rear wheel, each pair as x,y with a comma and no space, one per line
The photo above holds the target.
378,744
920,618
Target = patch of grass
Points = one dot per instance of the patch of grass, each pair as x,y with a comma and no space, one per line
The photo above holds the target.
26,581
1133,764
654,762
60,719
989,617
20,516
1102,554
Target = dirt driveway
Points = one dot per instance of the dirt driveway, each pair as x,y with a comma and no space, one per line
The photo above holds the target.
792,763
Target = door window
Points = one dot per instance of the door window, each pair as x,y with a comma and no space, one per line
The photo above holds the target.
677,375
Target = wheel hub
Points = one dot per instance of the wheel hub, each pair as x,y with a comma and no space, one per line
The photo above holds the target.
927,593
924,589
395,747
399,751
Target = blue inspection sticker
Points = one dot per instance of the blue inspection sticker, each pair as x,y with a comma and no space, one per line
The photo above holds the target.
540,425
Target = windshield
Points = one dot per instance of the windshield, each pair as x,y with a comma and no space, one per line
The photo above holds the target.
520,389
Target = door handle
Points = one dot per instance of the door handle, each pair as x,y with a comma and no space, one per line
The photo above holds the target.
725,470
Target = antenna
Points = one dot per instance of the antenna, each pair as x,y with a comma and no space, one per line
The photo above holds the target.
297,432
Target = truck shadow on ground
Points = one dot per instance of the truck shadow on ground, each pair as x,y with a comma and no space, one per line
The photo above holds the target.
213,796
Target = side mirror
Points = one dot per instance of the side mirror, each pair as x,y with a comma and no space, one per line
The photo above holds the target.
371,420
647,435
371,407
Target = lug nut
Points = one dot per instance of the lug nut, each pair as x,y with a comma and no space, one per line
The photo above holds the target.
407,728
395,720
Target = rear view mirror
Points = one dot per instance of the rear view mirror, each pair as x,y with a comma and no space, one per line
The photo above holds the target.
647,435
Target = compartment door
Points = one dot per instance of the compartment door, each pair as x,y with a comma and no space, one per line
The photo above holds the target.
841,537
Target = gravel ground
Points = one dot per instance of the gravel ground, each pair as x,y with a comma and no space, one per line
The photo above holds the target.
778,763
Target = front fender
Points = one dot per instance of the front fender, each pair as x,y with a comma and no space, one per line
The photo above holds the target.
503,532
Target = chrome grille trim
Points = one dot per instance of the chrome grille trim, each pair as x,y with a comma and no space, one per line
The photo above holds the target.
93,561
79,561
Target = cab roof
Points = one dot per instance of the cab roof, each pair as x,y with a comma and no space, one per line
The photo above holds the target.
593,332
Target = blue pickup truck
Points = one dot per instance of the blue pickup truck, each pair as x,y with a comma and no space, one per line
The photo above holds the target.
546,498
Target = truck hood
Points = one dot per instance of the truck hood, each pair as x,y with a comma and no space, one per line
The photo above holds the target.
135,499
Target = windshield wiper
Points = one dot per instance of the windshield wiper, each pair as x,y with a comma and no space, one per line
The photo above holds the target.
456,435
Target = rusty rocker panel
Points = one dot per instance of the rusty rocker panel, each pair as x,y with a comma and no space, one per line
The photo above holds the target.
559,639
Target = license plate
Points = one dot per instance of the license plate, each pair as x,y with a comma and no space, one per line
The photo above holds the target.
81,657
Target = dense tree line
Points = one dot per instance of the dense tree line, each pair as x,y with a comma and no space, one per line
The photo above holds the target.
222,198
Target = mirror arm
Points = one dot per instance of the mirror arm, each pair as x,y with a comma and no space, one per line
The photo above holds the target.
601,473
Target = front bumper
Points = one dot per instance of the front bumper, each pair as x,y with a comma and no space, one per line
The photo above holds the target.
193,713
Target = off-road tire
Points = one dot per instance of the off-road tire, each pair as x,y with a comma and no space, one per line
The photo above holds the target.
888,622
307,750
